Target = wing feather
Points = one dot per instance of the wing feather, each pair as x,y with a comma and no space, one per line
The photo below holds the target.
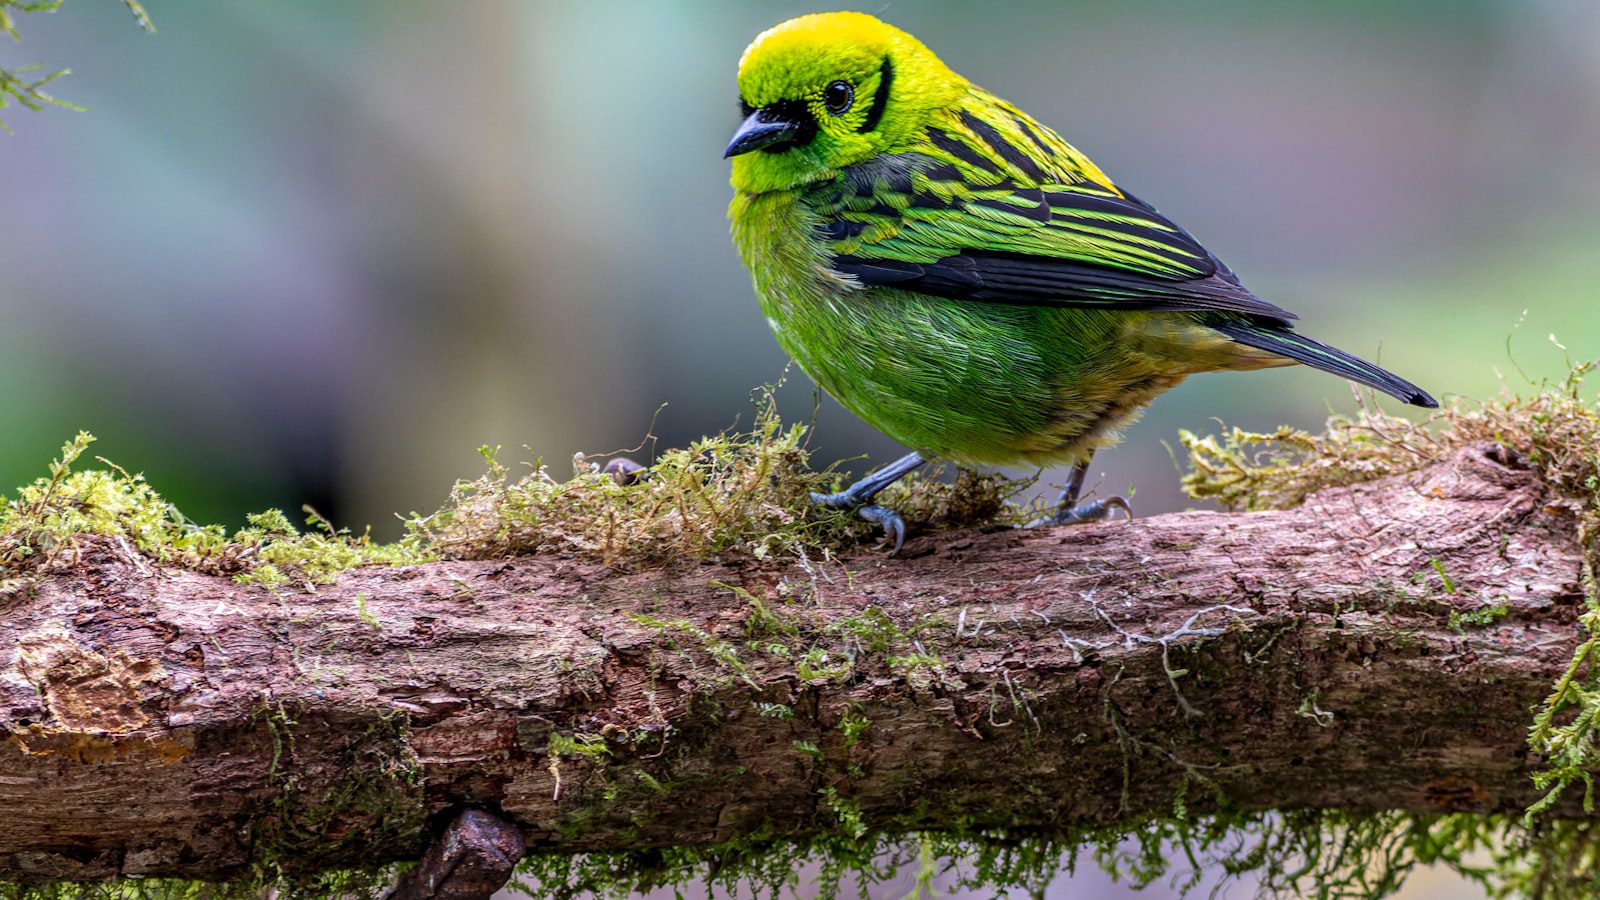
986,217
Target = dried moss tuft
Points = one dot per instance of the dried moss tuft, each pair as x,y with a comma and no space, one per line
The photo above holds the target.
741,492
1555,429
733,492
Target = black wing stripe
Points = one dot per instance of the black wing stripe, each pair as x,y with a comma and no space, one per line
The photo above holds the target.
1187,252
1033,136
1173,242
944,172
1165,268
1033,281
1105,204
1161,265
840,229
1039,211
961,151
1007,150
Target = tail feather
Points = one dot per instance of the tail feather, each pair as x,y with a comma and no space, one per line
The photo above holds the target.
1318,355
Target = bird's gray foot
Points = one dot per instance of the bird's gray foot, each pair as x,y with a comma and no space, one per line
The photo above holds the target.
859,496
1069,511
894,527
1089,511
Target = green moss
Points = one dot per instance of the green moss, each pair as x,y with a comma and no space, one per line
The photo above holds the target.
775,710
853,725
742,492
589,746
869,631
1482,617
846,814
46,519
1307,854
1310,854
1556,430
315,839
819,664
724,653
649,781
365,614
1444,577
738,493
283,555
762,622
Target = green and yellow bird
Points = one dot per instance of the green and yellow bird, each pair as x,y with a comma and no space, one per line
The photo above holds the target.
963,279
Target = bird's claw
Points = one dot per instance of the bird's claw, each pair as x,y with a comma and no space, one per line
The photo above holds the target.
859,497
1091,511
894,526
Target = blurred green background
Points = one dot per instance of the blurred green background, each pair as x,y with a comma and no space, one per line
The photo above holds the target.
304,252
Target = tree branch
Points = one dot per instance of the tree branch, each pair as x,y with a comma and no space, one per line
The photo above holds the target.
1378,647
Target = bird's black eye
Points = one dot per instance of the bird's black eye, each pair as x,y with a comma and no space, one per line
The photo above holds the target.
838,96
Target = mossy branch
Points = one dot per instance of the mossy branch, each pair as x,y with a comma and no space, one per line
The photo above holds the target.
696,673
1172,678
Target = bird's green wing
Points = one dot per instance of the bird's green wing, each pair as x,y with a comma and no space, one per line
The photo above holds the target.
978,227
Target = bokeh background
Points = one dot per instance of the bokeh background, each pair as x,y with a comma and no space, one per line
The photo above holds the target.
306,252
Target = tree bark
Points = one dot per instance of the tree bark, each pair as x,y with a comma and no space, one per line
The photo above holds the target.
162,722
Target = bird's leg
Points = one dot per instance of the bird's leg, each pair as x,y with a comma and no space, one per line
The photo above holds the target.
1069,511
859,496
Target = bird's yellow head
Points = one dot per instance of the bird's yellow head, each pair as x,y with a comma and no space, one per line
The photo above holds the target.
829,90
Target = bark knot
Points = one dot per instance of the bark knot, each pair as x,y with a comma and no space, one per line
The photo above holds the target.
92,698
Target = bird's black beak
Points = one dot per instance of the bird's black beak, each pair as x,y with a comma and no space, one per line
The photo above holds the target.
766,128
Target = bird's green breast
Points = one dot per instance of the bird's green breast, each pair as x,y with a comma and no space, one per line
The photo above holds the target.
972,382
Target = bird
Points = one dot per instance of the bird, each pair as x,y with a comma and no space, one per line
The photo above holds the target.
956,274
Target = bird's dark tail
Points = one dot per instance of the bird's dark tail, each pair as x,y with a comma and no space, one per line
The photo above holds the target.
1318,355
